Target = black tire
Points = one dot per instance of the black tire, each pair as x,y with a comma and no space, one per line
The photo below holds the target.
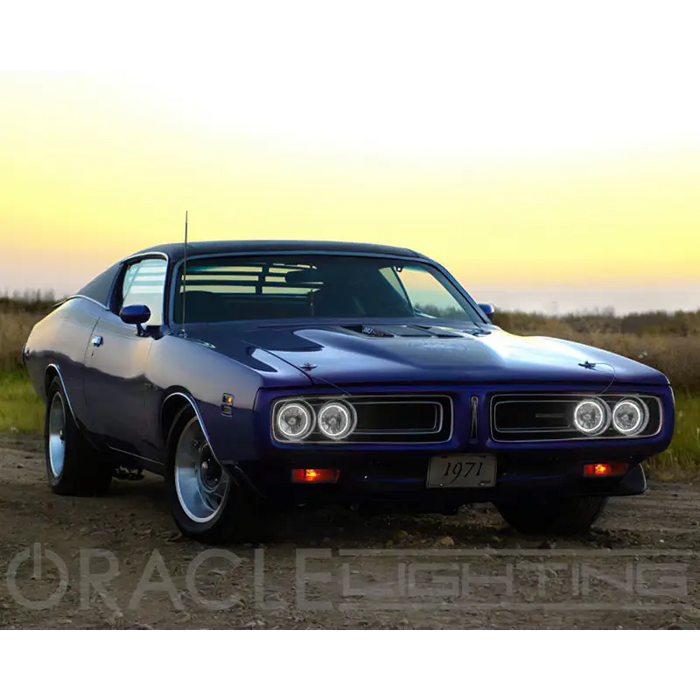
560,516
83,470
238,515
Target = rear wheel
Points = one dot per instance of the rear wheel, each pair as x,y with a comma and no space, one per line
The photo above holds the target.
73,466
561,516
206,502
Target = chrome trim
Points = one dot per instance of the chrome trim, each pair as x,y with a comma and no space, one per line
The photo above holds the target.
643,409
63,385
346,398
607,416
474,428
572,397
352,413
82,296
192,403
305,405
144,254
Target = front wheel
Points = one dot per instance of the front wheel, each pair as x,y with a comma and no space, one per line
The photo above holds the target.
558,516
206,502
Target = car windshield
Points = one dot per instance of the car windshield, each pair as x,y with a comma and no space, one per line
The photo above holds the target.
286,286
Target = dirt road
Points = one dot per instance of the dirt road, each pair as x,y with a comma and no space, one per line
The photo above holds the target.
118,562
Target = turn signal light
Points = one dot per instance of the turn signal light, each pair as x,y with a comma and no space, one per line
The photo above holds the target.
315,476
604,469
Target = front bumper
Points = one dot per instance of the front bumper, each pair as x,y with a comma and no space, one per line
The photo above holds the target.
397,472
401,478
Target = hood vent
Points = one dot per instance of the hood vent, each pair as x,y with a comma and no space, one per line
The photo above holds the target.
406,331
390,331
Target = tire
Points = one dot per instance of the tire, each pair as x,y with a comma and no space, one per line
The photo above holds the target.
206,502
562,516
73,466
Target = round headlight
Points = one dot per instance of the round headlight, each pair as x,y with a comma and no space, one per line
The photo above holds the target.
336,420
629,417
591,416
295,420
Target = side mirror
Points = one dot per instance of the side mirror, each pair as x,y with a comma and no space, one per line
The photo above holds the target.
489,310
135,315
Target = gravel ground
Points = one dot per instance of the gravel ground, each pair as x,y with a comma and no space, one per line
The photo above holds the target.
118,562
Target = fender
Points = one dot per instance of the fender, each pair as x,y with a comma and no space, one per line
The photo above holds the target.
57,369
198,413
231,466
88,435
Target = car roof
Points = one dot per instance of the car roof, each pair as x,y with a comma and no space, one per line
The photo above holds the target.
176,251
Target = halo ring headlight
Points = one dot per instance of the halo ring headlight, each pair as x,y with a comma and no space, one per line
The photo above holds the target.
629,417
591,417
337,420
295,420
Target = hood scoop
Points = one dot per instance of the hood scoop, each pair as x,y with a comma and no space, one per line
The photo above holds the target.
410,331
389,331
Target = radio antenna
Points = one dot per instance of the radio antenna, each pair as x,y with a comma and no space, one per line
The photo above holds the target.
184,282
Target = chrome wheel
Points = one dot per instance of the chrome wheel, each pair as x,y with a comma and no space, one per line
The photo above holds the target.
57,435
201,484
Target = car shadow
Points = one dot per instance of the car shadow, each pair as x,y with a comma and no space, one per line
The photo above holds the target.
474,526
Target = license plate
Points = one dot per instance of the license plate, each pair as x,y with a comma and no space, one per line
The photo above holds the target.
467,471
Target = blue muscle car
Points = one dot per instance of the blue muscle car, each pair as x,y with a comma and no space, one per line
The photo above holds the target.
259,374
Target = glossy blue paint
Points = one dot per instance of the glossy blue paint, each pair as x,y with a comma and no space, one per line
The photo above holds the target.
345,357
135,315
488,310
118,388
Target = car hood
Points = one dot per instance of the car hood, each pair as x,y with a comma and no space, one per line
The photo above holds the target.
380,354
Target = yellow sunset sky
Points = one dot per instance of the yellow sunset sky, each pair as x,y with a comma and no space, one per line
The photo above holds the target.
549,157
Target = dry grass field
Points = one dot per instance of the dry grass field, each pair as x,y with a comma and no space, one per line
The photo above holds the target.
668,342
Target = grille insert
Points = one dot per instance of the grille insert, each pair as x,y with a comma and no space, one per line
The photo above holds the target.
518,417
389,418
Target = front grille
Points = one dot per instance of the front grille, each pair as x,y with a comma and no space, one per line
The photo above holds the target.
392,418
518,417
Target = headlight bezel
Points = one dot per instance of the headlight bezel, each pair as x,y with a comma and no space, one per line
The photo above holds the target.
643,413
281,407
605,412
352,415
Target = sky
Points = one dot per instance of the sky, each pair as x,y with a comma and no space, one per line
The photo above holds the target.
547,153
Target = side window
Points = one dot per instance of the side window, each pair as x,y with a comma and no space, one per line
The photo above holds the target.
144,283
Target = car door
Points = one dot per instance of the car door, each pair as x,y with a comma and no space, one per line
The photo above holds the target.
117,358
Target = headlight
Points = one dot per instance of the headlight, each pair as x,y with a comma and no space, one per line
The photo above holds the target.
629,417
591,416
295,420
336,420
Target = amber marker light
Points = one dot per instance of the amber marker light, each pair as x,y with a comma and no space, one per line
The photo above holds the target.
315,476
604,469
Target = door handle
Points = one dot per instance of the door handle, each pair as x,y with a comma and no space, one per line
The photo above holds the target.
97,340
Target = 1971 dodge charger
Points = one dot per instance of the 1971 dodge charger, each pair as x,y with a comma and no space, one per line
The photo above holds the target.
272,373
